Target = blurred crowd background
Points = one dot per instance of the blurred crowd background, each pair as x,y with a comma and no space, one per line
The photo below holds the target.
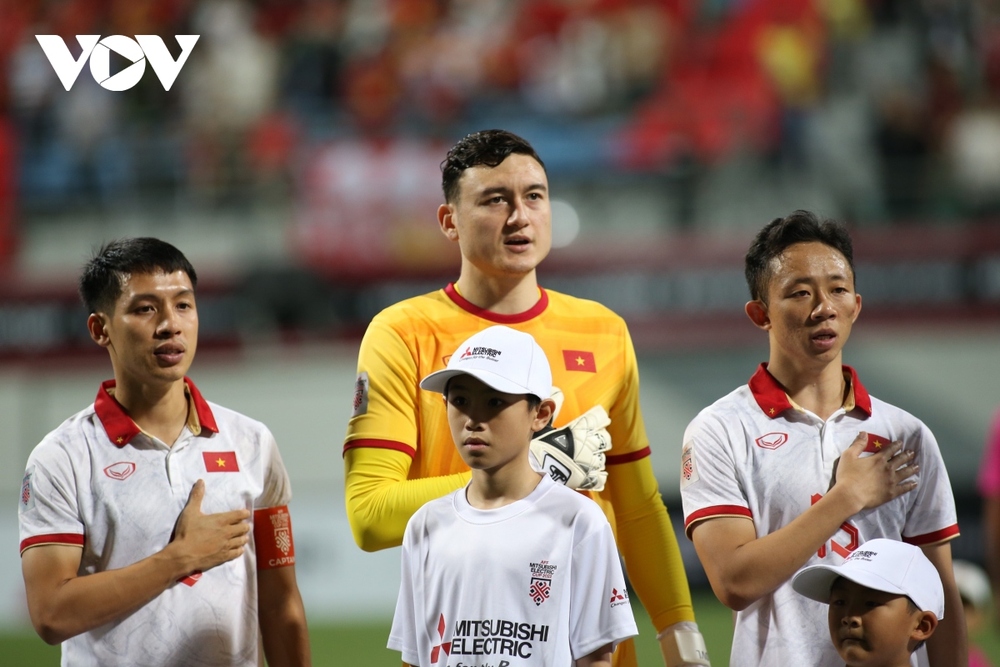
334,114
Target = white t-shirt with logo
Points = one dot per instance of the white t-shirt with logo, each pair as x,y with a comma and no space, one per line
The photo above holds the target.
531,584
754,454
100,483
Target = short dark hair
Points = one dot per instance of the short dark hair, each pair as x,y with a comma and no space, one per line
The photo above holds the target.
798,227
488,147
104,275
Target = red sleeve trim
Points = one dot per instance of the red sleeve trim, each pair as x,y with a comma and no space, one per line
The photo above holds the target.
68,539
943,535
381,444
715,512
617,459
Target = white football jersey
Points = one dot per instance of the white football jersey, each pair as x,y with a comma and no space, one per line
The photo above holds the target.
754,454
100,483
531,584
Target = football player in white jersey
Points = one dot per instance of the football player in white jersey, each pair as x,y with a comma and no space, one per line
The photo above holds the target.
135,513
801,465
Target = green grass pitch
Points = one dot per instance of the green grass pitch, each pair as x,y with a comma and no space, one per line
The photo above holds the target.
364,644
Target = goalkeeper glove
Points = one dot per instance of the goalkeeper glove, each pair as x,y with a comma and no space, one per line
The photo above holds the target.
574,454
683,646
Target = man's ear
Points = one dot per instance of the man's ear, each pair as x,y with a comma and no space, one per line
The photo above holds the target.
95,326
446,219
756,310
926,624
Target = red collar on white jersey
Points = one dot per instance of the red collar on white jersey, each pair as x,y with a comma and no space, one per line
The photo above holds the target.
120,427
773,400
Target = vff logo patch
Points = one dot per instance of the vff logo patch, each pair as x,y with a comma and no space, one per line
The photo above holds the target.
27,492
360,394
137,51
689,471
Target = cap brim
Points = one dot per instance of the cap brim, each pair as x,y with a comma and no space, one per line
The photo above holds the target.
438,380
815,581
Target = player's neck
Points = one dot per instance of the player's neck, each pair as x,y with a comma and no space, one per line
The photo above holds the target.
490,489
821,389
503,295
161,410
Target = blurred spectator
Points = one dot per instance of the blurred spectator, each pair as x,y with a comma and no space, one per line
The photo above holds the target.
989,489
229,86
974,587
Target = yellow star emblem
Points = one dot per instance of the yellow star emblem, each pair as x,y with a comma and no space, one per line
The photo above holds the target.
221,462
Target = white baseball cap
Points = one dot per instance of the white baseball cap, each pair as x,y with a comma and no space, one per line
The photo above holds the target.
500,357
885,565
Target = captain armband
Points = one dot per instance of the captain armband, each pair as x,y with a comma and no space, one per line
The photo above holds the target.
272,536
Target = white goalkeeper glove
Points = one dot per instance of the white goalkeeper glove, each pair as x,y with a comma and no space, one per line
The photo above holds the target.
574,454
683,646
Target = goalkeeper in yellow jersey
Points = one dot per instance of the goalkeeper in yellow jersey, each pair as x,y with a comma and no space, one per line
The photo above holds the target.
398,452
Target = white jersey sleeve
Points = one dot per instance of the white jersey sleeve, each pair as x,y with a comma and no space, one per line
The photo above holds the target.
932,515
277,489
403,635
711,477
599,611
48,510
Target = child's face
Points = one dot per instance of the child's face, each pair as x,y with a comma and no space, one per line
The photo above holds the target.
489,427
871,628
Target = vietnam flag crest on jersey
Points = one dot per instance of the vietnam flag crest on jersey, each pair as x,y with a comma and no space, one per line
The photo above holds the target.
876,443
220,462
579,360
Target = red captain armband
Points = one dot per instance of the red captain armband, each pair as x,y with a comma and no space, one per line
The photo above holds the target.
272,537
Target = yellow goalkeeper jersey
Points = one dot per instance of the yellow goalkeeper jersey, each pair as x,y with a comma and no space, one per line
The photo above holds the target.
399,452
587,345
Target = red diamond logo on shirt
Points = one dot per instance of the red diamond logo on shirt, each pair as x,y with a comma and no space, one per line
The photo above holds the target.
120,471
772,440
443,646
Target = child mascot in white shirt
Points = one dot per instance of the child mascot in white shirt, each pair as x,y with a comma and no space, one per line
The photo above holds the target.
513,569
